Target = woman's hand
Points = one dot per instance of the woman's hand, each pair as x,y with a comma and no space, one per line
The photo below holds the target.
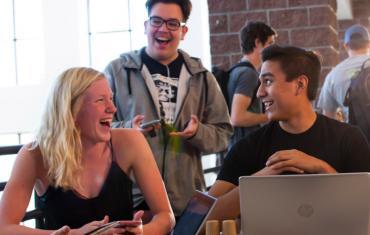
90,226
96,224
138,230
65,230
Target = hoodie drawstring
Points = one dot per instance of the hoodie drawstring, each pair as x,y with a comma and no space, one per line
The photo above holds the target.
128,81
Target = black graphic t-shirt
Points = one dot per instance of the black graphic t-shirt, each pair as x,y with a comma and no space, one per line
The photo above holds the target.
166,79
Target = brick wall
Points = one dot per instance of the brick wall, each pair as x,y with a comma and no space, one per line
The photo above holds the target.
311,24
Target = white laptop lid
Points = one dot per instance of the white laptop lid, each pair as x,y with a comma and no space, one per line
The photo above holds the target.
195,214
336,204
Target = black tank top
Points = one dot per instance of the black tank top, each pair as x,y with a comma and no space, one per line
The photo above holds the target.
66,208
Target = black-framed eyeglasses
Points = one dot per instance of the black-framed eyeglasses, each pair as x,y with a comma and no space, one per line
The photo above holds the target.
172,24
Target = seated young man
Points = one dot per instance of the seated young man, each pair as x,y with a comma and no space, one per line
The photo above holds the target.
297,140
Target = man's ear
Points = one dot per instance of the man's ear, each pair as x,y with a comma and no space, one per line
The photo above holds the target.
257,43
302,84
258,46
184,30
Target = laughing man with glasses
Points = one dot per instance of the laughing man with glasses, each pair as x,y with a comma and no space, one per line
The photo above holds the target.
163,82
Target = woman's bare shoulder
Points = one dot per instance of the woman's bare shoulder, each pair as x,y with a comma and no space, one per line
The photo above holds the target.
31,154
31,151
128,144
126,135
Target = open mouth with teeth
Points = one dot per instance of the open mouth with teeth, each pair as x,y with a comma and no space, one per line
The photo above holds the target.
162,40
106,122
267,104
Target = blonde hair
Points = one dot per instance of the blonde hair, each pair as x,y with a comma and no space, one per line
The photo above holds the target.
58,137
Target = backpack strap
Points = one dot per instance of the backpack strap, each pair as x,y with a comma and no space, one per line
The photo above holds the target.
363,66
249,65
241,64
347,96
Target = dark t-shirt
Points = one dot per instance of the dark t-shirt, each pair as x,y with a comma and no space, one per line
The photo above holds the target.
67,208
244,81
342,146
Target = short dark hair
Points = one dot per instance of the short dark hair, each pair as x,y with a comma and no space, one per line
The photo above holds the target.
252,31
185,6
357,42
294,62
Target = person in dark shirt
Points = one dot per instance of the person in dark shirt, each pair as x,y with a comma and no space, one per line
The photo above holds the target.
81,169
246,111
297,140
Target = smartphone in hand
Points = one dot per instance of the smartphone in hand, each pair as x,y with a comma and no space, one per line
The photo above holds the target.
128,223
149,124
115,224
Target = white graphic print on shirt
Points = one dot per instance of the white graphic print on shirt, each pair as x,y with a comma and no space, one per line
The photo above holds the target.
167,95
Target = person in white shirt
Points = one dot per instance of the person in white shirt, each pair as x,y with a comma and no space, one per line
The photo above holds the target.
333,92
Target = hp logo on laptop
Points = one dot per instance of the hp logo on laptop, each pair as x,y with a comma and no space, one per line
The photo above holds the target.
305,210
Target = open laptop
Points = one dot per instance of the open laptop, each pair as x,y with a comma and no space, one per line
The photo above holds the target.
335,204
195,214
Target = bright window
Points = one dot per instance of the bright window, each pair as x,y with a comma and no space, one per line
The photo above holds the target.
113,24
21,42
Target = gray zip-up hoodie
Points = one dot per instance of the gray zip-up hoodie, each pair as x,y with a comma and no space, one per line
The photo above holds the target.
199,94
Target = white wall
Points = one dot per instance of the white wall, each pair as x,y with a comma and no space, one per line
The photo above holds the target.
22,106
197,41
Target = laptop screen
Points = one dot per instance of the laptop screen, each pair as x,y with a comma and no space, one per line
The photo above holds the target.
195,214
335,204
